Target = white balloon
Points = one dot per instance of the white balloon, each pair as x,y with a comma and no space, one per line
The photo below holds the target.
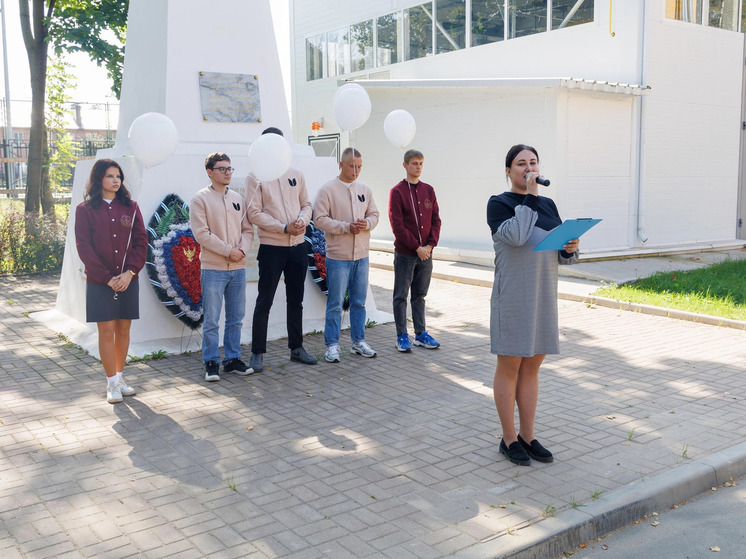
347,87
352,109
399,128
269,157
153,138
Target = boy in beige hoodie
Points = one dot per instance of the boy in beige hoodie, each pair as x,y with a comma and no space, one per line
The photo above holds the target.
345,211
281,210
221,227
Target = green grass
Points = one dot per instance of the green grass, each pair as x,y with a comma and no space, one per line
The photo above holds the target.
718,290
156,355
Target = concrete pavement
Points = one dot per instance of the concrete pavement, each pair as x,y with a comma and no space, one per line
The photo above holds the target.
711,522
393,457
579,281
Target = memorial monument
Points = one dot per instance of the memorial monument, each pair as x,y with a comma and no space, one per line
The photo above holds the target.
217,77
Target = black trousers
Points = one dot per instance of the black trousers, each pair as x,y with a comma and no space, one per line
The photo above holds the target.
273,262
411,273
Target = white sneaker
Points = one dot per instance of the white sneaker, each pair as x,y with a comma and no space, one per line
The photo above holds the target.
125,389
114,394
332,354
362,348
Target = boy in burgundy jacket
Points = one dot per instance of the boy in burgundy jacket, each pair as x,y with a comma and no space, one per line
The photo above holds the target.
415,222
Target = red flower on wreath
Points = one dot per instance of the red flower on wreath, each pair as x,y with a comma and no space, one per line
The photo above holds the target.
320,260
186,260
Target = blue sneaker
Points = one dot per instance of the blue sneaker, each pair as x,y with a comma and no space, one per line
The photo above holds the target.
426,340
403,344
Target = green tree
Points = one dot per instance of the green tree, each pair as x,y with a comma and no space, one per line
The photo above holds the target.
66,25
62,158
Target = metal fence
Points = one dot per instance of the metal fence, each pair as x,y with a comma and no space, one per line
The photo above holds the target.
14,162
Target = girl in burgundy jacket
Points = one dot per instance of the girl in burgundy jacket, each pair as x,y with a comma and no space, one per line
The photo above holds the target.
112,243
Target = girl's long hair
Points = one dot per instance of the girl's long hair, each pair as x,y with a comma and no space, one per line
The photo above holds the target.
93,188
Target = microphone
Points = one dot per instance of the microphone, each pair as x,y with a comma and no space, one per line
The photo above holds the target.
540,180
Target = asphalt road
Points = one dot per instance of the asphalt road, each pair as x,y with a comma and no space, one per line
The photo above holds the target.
710,525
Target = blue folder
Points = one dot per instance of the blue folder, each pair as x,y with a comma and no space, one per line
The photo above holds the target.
562,234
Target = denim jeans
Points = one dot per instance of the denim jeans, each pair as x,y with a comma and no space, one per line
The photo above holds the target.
411,273
216,286
273,262
341,276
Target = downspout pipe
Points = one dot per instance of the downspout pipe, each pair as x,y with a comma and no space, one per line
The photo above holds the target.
643,66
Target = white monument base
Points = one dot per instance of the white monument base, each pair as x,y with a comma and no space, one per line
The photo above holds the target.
86,334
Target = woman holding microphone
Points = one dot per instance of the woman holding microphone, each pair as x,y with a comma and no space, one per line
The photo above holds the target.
523,317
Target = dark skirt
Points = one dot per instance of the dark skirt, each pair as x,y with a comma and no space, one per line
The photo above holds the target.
100,305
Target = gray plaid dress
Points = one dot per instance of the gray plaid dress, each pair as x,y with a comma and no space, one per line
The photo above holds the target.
523,314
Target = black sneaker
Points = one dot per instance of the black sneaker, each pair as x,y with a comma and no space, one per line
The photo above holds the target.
300,355
536,451
237,366
515,453
212,371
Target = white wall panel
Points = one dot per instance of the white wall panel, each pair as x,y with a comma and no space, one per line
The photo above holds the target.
691,133
599,178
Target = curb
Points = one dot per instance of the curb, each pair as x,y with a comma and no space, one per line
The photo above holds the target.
440,275
602,302
656,311
553,536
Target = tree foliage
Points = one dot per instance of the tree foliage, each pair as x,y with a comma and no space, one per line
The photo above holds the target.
96,27
63,156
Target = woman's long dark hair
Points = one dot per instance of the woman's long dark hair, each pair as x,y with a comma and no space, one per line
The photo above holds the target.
93,188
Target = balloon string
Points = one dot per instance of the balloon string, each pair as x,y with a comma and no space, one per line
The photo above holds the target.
246,209
352,145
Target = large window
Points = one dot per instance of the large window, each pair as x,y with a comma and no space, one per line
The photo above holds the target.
361,45
386,52
418,32
684,10
439,26
315,57
450,29
527,17
326,145
571,12
722,14
487,21
338,51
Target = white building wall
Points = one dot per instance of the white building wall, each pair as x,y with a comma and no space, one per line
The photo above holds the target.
559,53
597,132
464,134
584,51
648,161
691,133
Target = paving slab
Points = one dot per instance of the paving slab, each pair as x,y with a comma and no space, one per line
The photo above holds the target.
389,457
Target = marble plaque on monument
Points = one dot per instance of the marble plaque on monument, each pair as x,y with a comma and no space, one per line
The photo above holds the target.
229,97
